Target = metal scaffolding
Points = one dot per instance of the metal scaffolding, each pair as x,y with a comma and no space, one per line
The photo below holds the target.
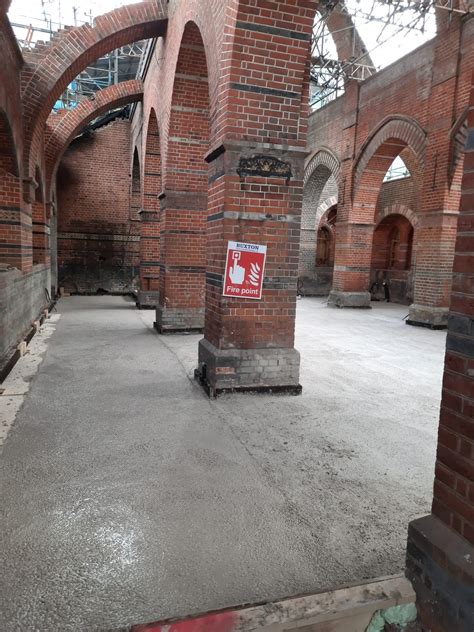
118,65
388,19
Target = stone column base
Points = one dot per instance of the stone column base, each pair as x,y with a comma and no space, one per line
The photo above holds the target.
227,370
440,565
147,299
427,316
349,299
170,320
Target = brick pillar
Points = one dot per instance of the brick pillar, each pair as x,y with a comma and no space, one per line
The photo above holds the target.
250,343
440,553
439,203
355,226
184,198
182,262
149,292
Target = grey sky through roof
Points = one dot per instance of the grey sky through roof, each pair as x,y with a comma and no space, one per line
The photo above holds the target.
385,42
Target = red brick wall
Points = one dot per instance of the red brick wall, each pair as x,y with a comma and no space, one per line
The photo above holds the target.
97,241
401,191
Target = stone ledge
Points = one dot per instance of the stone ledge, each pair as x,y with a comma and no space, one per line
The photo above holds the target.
257,370
427,316
349,299
171,320
147,299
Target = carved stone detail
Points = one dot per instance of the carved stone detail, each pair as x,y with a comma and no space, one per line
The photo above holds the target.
265,166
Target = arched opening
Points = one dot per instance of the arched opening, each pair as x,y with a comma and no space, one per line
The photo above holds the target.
98,206
323,247
183,219
326,239
319,196
372,195
150,218
73,49
62,128
392,254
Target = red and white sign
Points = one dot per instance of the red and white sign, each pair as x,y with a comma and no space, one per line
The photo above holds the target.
244,270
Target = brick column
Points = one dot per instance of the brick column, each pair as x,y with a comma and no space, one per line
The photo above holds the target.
439,203
149,291
355,226
182,262
248,344
440,553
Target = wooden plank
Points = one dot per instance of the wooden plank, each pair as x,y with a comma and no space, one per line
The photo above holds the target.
347,609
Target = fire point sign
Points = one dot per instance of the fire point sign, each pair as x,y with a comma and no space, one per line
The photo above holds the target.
244,270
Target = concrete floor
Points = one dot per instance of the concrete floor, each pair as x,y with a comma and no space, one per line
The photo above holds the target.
128,496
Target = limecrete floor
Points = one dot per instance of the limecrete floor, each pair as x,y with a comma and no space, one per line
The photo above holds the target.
128,496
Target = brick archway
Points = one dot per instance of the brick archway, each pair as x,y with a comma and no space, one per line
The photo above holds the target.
324,207
349,44
50,67
398,209
324,157
321,183
62,127
393,134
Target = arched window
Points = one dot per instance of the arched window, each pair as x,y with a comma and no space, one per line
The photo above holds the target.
323,249
393,246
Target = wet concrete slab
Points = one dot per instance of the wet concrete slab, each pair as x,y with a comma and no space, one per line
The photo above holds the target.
129,496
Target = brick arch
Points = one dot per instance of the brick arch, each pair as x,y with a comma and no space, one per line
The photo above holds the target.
320,182
391,136
325,207
62,127
319,169
50,67
349,44
398,209
4,6
326,158
188,132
